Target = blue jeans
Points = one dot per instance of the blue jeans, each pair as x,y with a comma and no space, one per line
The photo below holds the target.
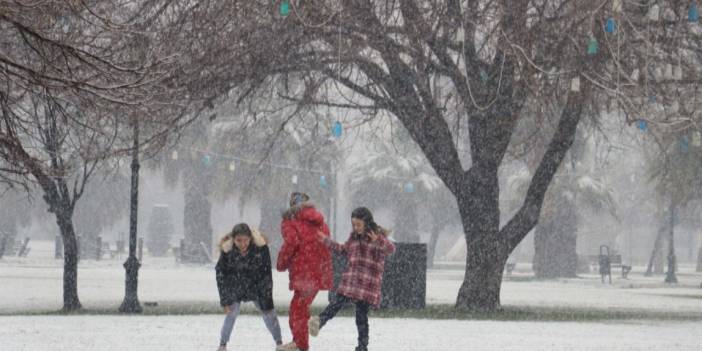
269,317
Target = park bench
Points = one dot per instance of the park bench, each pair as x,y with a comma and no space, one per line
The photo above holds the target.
606,261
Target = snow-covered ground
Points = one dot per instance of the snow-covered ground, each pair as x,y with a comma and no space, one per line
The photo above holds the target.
35,284
188,333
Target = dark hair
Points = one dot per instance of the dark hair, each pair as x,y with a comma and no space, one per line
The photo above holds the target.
366,216
241,229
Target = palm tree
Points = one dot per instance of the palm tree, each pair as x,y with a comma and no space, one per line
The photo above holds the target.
14,214
676,171
397,177
297,155
103,205
576,186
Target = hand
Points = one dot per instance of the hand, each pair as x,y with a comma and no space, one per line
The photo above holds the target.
321,236
373,236
227,310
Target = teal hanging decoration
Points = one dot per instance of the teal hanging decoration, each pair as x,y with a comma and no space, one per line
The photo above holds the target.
323,181
684,144
337,129
409,187
592,46
611,25
652,99
285,8
643,125
207,160
483,76
693,14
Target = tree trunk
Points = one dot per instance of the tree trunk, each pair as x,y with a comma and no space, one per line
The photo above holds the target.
670,277
70,259
406,224
433,241
197,213
655,262
485,262
270,223
555,246
487,251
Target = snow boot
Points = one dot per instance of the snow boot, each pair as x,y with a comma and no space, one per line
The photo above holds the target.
313,325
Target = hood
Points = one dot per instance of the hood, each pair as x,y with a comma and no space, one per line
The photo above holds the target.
293,211
226,244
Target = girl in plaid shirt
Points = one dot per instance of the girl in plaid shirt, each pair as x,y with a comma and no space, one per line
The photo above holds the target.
361,282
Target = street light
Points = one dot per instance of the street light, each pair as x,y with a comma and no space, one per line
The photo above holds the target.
131,266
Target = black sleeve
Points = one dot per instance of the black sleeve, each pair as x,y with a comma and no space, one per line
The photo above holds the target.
221,272
265,272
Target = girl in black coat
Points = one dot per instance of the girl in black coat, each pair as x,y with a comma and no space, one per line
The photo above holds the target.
244,274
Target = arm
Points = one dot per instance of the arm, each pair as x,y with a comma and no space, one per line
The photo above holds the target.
333,245
287,252
385,245
265,285
222,288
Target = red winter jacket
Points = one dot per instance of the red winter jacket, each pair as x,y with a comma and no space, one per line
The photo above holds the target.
307,260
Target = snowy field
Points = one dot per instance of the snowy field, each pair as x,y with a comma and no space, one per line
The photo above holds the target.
188,333
33,284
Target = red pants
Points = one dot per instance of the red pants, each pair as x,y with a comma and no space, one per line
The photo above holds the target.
299,316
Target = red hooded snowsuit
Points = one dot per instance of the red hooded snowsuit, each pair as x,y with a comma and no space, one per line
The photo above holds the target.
308,262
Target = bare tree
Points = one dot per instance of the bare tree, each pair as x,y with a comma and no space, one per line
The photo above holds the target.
74,74
565,57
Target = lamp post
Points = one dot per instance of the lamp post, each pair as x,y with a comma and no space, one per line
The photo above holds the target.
131,265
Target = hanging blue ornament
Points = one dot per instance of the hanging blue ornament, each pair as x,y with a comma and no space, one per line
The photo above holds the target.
409,187
693,14
684,144
337,129
285,8
643,125
323,181
207,160
652,99
611,25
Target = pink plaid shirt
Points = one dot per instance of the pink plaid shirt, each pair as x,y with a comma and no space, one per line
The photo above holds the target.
363,277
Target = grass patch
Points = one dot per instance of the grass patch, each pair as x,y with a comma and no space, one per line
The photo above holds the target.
434,312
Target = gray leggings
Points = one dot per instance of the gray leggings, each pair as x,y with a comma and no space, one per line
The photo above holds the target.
269,317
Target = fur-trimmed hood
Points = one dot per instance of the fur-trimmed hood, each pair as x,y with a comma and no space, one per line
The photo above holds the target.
292,212
226,244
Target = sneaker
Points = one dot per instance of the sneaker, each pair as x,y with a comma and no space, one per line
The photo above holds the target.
222,348
313,326
291,346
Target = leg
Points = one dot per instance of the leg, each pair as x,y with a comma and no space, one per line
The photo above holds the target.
229,323
271,320
332,309
299,315
362,309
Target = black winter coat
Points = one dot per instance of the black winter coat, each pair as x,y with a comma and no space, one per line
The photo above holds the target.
245,278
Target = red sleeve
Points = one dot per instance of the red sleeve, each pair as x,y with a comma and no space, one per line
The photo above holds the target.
290,242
